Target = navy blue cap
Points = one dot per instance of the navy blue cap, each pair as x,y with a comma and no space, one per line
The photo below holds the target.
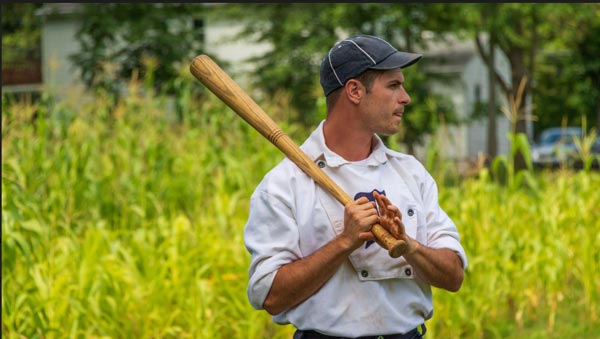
350,57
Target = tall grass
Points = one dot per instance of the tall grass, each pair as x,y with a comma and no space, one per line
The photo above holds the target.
120,220
118,223
533,259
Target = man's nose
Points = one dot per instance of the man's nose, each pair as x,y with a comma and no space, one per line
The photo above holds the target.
404,97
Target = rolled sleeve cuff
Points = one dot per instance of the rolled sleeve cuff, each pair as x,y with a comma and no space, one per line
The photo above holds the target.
258,289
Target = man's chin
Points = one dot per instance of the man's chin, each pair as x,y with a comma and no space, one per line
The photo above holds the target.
390,130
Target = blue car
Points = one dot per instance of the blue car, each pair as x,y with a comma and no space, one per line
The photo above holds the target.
557,147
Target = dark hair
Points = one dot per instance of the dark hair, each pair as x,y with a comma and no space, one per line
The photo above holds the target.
367,78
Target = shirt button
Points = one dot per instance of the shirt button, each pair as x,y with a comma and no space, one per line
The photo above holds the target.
364,273
411,212
321,163
408,272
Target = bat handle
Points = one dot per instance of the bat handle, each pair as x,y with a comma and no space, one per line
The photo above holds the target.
395,247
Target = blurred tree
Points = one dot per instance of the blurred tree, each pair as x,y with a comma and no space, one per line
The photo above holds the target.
301,34
482,19
519,31
20,29
588,50
21,52
568,81
293,61
119,39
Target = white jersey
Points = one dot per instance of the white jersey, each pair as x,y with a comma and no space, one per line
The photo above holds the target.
371,293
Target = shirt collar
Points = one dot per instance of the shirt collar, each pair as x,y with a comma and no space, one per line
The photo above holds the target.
316,148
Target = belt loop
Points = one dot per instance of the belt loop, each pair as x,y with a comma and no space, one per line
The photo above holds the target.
422,329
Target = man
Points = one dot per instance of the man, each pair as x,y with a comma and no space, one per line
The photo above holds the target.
314,262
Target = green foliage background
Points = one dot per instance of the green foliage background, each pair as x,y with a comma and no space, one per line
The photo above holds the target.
118,39
122,220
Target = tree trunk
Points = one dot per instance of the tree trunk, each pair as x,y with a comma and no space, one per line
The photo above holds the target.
491,109
598,113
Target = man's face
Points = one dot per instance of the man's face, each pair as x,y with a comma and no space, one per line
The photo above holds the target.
383,106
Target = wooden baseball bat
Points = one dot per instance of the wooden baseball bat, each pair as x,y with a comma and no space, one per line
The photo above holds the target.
218,82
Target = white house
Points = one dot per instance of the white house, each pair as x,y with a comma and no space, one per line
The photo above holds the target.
62,20
466,83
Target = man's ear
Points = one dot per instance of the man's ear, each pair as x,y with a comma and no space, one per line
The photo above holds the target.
354,90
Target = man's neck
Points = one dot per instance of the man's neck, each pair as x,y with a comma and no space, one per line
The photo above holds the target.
348,141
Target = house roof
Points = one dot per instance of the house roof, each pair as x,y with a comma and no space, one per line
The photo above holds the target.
59,9
449,55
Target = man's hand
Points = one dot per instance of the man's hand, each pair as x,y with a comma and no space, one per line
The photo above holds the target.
298,280
391,219
359,216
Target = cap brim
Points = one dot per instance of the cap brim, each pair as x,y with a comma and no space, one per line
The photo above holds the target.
398,60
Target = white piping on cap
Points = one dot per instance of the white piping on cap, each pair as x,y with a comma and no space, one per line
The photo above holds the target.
333,68
362,50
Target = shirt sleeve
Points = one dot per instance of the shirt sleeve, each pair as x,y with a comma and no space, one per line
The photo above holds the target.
441,230
271,237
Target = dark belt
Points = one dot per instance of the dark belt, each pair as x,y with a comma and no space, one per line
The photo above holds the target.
415,333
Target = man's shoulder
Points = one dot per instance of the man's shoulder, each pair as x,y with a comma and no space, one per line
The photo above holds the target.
281,174
285,175
284,166
409,164
282,183
406,159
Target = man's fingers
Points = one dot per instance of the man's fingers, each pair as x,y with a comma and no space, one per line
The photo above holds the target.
363,212
395,211
392,209
363,203
400,224
385,206
380,203
366,236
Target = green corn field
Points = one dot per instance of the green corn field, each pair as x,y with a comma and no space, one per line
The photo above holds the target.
122,220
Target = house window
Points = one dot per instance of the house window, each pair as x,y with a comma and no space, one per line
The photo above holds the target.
478,93
23,71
